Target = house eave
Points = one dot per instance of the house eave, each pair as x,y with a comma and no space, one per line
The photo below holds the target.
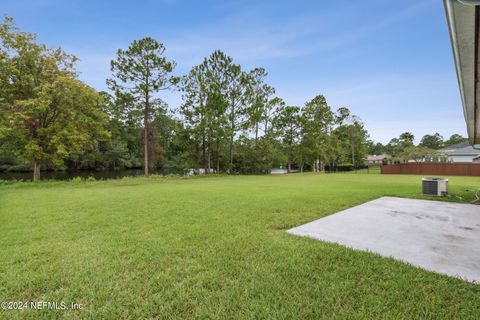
463,23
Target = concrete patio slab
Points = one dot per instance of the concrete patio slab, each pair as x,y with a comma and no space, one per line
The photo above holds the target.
438,236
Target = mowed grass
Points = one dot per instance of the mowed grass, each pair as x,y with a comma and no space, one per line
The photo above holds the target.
215,247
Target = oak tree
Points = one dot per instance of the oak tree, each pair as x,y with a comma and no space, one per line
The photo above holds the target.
47,114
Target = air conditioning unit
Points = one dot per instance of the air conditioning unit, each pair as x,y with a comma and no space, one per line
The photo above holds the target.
435,186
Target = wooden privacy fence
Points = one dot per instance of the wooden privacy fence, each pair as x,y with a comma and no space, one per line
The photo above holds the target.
432,168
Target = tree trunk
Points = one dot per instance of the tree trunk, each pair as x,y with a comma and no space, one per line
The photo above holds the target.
36,170
197,156
209,156
145,149
145,135
353,155
230,166
218,156
204,153
289,160
232,135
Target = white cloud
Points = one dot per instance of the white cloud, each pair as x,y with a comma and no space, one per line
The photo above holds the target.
249,38
389,104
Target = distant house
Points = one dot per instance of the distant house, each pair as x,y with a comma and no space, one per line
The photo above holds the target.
373,159
476,159
279,171
282,171
194,172
461,152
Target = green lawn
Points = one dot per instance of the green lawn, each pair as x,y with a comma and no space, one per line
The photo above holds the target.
211,248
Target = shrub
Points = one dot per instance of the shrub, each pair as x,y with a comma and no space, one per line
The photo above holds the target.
344,167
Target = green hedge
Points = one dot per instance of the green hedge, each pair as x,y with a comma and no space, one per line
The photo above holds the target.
344,167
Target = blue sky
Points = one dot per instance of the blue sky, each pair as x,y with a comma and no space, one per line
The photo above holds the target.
389,61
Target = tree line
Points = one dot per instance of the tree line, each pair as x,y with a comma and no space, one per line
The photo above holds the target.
403,148
229,121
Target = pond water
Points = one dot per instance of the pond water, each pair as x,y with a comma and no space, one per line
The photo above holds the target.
67,175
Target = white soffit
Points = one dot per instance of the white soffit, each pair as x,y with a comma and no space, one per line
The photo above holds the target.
463,23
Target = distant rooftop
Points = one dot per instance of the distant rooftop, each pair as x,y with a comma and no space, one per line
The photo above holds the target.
458,145
463,148
374,157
